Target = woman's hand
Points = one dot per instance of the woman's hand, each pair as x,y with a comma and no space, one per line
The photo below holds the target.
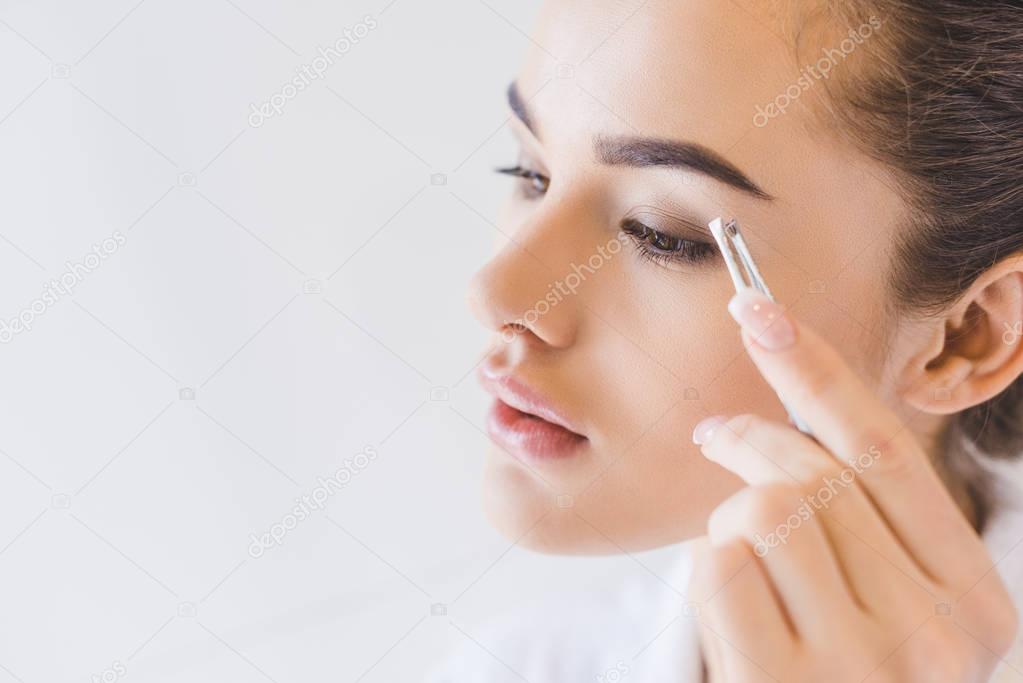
845,559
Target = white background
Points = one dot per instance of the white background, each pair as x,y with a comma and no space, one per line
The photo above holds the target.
305,279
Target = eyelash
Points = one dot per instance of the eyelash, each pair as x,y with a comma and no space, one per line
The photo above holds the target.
532,176
663,249
653,245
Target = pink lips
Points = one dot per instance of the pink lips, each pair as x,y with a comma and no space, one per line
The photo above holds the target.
524,423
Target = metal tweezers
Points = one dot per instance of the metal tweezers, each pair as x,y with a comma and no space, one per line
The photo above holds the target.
745,275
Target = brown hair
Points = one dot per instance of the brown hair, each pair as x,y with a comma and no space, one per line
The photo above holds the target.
937,96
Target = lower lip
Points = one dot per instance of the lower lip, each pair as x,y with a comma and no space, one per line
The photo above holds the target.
522,434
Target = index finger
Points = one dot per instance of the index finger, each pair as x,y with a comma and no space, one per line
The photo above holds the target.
846,417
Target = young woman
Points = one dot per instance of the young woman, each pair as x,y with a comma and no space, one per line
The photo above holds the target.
873,154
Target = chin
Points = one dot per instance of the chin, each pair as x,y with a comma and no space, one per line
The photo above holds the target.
529,514
525,511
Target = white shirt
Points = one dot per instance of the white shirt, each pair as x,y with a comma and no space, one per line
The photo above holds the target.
607,637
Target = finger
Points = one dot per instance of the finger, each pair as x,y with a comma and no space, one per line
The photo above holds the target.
794,553
876,567
761,451
742,626
851,423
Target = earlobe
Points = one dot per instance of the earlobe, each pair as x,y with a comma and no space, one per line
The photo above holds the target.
975,350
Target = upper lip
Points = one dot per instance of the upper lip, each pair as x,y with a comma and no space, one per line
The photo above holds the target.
523,398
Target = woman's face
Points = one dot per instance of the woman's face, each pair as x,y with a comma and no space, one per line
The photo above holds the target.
608,299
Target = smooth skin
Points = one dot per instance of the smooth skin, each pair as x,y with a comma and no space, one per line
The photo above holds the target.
822,604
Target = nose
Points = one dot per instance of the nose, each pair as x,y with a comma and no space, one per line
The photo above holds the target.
531,286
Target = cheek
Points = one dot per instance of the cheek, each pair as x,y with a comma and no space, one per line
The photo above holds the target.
669,342
666,489
665,355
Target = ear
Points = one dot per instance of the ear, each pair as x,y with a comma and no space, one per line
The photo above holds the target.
972,351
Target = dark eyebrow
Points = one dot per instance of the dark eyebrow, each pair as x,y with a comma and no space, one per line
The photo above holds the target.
642,152
519,108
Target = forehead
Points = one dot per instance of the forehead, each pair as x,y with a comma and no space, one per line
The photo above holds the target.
701,66
699,70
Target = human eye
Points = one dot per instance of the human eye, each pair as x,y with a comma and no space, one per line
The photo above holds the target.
664,248
533,183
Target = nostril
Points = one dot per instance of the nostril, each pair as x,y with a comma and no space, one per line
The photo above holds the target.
510,331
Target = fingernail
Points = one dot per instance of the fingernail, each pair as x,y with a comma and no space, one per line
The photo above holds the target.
704,429
764,319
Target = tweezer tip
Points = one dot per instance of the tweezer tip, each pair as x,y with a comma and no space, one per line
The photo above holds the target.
717,228
732,229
